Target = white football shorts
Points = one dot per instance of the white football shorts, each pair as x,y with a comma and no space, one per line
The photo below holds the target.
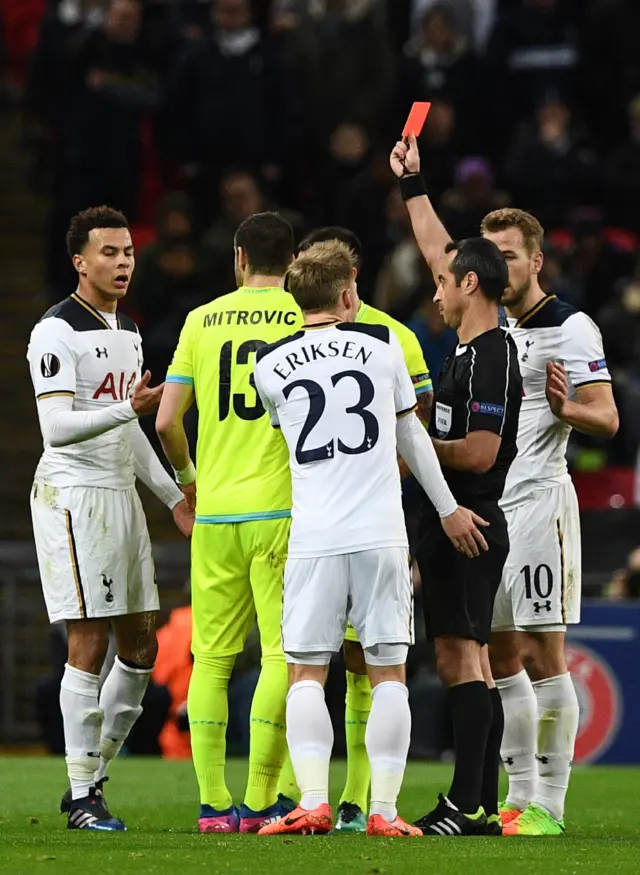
542,578
94,552
371,589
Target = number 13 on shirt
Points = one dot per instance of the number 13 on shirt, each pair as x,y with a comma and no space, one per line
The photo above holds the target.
242,405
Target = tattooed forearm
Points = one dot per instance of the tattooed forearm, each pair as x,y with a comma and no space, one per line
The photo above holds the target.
425,403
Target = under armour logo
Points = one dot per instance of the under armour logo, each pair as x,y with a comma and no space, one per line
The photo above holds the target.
543,760
102,352
108,583
528,343
138,356
508,761
541,606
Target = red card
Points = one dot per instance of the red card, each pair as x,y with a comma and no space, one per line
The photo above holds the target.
417,118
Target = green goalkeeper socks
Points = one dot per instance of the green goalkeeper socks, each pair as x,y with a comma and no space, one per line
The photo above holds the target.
287,785
208,710
358,707
268,741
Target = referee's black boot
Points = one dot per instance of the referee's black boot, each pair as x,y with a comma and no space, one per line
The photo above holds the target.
447,820
494,825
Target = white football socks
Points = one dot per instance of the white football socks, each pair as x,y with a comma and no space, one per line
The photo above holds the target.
387,739
519,740
120,700
82,720
310,740
558,714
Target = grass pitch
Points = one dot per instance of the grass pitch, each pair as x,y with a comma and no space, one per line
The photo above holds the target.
158,801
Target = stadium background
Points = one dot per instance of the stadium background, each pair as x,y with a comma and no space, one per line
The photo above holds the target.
294,104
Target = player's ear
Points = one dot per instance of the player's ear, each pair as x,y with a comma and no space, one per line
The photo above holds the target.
355,273
80,265
470,282
537,260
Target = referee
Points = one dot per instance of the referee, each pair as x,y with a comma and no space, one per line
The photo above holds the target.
474,427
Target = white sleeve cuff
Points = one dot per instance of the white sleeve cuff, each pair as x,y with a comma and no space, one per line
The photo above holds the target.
149,469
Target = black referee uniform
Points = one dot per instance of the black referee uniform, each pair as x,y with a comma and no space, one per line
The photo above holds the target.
479,396
480,390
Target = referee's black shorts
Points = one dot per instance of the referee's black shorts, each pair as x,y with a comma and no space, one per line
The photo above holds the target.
458,593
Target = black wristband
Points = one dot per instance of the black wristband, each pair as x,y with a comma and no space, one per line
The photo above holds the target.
412,185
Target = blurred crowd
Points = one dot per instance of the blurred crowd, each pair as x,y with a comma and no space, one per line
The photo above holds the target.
190,115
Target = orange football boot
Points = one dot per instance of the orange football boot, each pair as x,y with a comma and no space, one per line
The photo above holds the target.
508,812
378,826
319,821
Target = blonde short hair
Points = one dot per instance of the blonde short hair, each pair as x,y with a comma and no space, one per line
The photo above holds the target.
509,217
320,274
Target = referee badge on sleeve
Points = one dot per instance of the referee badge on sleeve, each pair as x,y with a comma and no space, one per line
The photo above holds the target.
49,365
443,419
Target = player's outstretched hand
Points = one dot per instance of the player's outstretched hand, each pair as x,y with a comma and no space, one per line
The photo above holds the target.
557,388
184,518
145,399
405,157
462,530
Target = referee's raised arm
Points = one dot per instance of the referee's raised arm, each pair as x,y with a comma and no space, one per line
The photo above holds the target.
431,235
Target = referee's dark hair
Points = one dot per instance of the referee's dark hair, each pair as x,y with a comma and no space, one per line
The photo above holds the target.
83,223
482,257
268,243
334,232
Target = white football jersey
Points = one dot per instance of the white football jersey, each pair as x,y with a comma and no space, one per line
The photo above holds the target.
75,351
336,390
553,331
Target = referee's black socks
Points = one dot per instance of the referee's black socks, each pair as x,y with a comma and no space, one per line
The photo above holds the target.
491,776
472,713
